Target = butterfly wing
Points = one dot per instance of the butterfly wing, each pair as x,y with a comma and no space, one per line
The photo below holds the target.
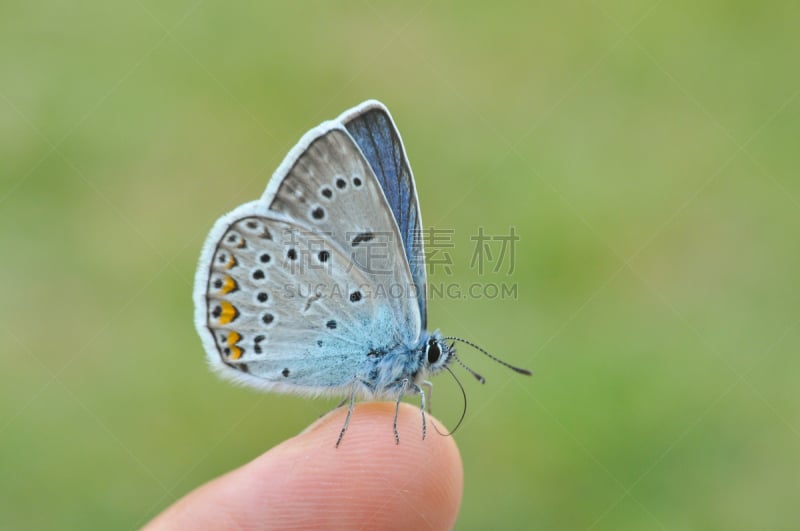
373,129
293,291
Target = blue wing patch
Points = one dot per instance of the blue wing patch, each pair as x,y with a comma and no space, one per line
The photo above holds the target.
372,128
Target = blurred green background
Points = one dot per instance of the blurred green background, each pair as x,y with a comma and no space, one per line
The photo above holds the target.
644,152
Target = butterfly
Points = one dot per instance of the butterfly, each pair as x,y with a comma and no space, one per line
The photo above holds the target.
319,286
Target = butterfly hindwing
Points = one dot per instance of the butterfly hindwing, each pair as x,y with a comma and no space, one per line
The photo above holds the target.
288,309
371,125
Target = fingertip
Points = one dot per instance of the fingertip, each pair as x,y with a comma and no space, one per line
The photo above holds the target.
369,481
376,482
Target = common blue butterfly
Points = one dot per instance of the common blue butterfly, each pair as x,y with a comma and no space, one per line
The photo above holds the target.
319,286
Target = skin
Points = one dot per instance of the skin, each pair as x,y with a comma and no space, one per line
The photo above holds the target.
369,482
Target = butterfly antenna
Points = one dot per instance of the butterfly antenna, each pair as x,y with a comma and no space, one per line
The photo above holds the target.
477,376
498,360
463,412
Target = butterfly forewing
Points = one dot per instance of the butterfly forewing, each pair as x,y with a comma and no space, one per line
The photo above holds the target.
332,189
373,130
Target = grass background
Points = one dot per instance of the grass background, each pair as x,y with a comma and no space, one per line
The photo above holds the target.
645,152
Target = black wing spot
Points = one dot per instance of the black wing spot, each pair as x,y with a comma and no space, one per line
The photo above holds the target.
331,324
323,256
292,254
256,347
356,182
262,297
327,192
252,225
258,274
363,238
341,183
285,373
265,258
218,283
216,312
355,296
318,213
319,343
267,318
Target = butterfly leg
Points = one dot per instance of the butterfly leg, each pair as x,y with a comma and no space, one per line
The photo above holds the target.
429,386
422,407
347,418
403,387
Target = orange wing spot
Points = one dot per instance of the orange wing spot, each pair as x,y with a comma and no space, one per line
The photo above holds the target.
229,312
233,338
236,352
231,263
229,285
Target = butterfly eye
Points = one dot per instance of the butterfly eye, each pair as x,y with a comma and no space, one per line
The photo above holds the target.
433,351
